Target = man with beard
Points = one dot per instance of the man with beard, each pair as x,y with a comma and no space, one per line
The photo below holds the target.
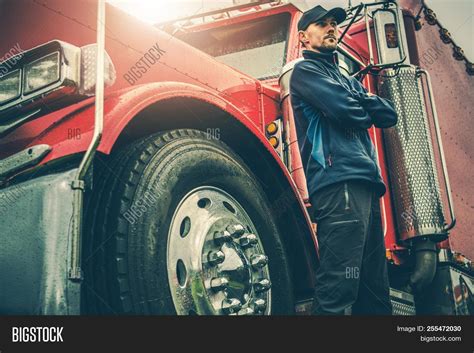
332,115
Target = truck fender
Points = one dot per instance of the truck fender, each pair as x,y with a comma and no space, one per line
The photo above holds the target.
127,115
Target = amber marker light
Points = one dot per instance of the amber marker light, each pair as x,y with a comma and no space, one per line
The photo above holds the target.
272,128
274,141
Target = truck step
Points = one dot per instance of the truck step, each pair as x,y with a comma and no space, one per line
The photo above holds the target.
403,303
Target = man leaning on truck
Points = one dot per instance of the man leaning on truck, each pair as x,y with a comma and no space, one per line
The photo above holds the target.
332,115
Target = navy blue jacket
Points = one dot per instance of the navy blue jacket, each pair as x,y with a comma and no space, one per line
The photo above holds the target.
332,114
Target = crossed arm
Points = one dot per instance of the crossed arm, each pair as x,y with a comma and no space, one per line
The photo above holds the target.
355,108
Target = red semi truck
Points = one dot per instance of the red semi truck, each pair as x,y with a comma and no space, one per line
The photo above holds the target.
180,189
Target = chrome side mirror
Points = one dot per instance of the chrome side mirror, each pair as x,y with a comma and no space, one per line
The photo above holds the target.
390,37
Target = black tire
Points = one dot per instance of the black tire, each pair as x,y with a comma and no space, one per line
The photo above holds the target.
125,253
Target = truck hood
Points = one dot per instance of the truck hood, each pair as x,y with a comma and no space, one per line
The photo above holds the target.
140,52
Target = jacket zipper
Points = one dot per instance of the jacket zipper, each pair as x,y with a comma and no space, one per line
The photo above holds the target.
352,221
330,160
346,196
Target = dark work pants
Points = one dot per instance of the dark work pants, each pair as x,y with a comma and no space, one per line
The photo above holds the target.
352,277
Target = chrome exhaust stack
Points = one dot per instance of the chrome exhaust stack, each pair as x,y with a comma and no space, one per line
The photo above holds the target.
418,202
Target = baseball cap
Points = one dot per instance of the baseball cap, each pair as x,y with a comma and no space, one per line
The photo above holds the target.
318,13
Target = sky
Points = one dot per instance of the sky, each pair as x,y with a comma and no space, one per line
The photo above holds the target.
455,15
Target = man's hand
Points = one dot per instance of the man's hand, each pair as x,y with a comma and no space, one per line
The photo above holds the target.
381,111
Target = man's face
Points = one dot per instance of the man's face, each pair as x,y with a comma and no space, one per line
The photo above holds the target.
321,36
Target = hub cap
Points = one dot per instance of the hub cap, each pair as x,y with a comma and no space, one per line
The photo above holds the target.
216,261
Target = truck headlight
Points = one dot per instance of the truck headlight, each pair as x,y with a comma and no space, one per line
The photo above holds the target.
48,77
42,72
10,86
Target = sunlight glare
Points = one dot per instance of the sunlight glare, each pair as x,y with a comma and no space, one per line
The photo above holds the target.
156,11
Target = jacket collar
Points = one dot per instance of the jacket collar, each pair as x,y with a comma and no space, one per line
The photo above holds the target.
331,57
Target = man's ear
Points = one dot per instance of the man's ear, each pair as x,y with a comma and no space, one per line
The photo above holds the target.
302,37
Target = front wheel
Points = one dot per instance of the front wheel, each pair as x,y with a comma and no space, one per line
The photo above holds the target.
183,227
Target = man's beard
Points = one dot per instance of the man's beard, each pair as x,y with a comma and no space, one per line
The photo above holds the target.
326,47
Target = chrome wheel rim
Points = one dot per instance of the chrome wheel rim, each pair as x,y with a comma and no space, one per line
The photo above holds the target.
215,259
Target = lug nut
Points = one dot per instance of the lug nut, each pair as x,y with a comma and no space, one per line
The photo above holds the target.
259,305
222,237
258,261
236,230
215,257
230,306
262,285
219,283
248,240
246,311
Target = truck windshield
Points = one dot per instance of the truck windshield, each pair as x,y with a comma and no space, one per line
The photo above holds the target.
256,48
